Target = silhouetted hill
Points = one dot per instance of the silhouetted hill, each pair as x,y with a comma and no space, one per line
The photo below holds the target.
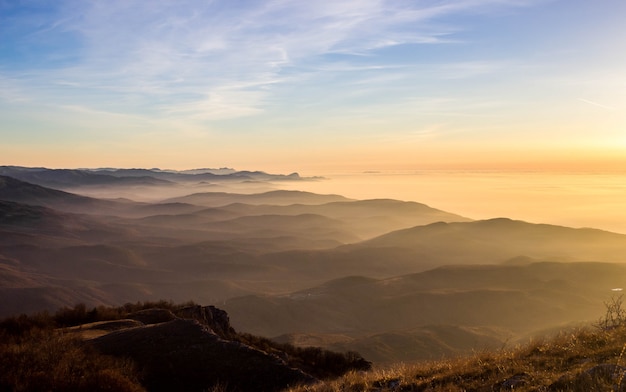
333,223
216,199
170,256
185,355
41,226
208,224
171,175
16,214
15,190
368,218
12,189
170,347
77,178
163,209
66,178
482,242
195,175
498,240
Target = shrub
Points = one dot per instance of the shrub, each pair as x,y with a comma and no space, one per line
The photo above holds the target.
614,316
23,324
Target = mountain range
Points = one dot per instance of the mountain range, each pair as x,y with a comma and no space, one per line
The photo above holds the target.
391,279
70,178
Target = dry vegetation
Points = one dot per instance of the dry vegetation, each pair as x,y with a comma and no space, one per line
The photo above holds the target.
584,360
34,355
39,360
49,352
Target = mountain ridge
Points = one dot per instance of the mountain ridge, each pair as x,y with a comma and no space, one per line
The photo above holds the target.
71,178
334,262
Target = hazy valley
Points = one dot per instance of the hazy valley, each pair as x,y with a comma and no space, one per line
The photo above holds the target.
391,280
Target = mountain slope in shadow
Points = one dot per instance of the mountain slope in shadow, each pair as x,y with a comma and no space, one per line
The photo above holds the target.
183,354
18,191
513,299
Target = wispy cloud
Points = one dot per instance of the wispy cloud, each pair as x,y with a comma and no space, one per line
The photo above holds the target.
467,69
600,105
10,90
222,59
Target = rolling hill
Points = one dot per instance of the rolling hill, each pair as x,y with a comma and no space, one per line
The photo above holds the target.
18,191
411,313
383,274
120,250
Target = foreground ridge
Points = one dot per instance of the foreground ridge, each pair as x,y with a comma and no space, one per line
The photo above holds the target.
161,346
156,347
585,359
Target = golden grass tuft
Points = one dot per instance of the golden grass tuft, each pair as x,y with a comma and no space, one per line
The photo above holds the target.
582,360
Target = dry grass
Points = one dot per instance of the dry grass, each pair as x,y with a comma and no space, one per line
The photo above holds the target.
60,352
582,360
34,356
52,361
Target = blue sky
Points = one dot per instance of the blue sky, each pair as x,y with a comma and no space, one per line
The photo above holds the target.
366,84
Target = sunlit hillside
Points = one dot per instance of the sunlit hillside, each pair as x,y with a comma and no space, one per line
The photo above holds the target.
581,360
162,346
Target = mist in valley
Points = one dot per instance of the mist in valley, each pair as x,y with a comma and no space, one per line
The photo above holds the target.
394,280
245,196
574,198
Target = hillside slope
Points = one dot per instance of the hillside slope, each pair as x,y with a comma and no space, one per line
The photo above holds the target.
582,360
410,317
162,346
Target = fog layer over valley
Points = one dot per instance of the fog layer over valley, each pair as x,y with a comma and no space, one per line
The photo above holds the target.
393,280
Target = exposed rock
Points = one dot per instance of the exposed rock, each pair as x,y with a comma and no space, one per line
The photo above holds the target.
517,381
215,318
185,355
152,316
388,385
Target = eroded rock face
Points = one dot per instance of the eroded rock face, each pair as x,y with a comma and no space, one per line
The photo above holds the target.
185,355
215,318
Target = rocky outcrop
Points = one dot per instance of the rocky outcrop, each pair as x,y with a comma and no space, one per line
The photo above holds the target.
185,355
214,318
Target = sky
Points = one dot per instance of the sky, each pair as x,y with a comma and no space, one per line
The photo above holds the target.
314,86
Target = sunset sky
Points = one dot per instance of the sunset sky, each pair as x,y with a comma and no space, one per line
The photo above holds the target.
313,86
